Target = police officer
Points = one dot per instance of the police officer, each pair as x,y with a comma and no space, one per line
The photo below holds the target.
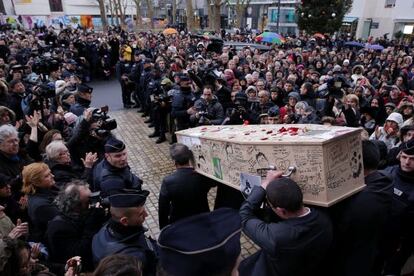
125,233
144,95
182,103
122,69
399,235
113,174
136,69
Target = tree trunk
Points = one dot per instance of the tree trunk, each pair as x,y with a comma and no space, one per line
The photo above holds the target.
150,12
115,6
103,14
138,19
121,14
217,15
111,10
211,20
241,6
174,11
190,15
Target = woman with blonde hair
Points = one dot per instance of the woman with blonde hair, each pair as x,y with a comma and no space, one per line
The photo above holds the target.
39,186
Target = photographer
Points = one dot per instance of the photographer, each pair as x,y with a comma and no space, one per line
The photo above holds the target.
182,104
209,110
83,99
90,135
239,114
70,233
161,105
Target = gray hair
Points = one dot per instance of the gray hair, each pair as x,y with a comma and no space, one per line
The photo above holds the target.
53,149
6,131
301,105
68,200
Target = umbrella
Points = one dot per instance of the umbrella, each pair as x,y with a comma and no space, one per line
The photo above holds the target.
270,37
319,35
169,31
354,44
374,47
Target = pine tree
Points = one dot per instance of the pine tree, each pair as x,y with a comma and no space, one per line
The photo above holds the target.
322,16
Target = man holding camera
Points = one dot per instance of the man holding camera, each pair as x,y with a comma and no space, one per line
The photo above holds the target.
70,233
182,103
83,99
207,110
113,174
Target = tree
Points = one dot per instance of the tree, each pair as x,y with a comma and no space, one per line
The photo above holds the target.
102,12
215,14
190,15
322,16
150,9
241,6
138,17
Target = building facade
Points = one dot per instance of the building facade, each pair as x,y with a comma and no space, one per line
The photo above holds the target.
379,17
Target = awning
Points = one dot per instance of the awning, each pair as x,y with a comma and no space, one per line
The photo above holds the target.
349,19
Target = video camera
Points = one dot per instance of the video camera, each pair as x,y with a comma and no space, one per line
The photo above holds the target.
95,198
106,124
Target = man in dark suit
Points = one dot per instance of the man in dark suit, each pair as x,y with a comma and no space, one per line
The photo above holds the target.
297,244
359,220
184,192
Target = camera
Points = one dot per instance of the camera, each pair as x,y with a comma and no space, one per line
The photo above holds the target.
95,198
44,90
106,123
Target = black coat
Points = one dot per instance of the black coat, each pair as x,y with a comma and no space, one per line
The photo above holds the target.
79,107
108,179
41,210
10,169
183,194
296,246
114,238
63,174
359,222
67,237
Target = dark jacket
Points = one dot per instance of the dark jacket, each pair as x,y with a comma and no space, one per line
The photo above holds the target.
224,97
358,223
10,169
82,142
68,236
114,238
402,215
63,174
109,179
41,210
182,194
181,102
79,107
295,246
214,111
15,104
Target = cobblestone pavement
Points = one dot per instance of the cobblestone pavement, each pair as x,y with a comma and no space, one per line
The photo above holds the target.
151,163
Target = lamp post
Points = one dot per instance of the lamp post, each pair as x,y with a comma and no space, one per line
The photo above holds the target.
278,17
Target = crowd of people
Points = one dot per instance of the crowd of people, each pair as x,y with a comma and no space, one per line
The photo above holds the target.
70,204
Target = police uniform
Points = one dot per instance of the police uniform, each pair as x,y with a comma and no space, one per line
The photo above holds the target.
115,238
109,179
124,68
203,245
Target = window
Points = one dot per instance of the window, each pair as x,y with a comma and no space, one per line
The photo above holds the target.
286,16
56,5
390,3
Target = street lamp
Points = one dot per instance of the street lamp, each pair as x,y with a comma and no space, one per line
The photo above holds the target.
278,17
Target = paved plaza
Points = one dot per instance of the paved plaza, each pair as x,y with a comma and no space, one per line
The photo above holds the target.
151,162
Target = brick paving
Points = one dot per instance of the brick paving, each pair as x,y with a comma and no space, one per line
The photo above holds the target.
151,162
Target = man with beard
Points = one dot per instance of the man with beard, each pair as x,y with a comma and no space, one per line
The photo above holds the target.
70,233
